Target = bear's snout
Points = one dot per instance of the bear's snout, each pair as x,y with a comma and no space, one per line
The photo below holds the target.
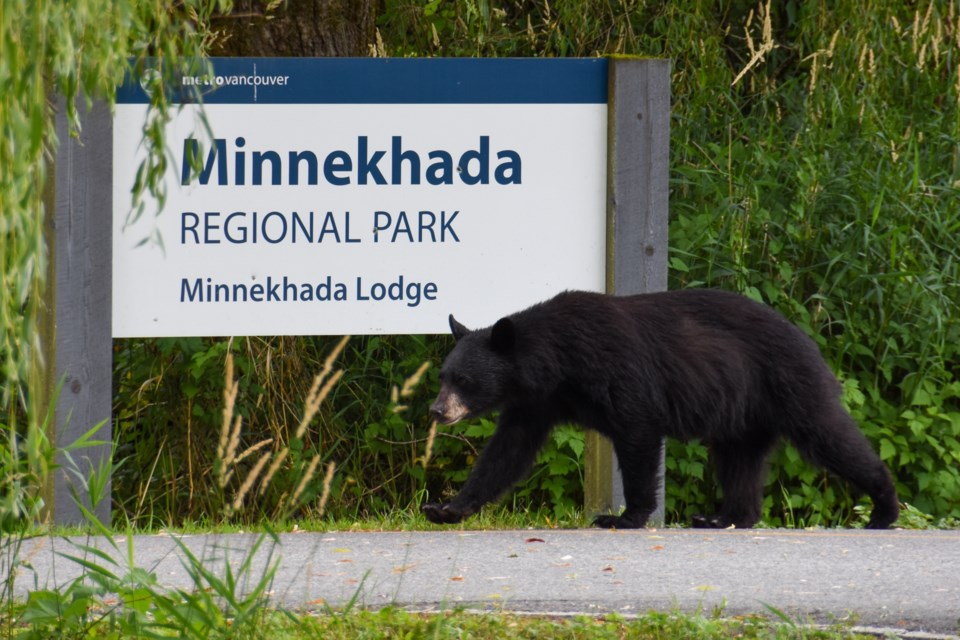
448,408
436,410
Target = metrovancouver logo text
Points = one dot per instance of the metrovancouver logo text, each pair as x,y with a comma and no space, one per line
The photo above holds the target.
215,81
251,80
394,164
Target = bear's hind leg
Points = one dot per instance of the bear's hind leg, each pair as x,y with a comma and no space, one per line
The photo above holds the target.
837,444
741,469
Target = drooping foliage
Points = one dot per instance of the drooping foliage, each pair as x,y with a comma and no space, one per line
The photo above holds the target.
60,55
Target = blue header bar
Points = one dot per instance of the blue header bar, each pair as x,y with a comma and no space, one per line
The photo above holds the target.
390,81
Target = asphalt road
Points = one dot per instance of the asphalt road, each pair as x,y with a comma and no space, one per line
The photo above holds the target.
905,580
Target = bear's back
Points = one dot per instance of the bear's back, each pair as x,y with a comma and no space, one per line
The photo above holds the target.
694,356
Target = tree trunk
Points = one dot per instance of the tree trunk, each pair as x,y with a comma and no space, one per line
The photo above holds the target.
298,28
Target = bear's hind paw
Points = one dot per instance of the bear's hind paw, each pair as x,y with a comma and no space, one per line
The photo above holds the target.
707,522
720,522
618,522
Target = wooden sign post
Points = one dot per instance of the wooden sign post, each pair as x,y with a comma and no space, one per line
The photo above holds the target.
638,151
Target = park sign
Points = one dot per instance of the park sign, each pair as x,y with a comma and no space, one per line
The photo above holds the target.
535,166
363,196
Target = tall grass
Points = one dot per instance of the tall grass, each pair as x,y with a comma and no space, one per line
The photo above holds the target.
116,598
379,438
286,462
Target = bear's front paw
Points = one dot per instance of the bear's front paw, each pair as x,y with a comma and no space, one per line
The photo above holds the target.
443,513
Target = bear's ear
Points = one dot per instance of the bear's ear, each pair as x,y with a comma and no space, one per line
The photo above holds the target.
503,336
457,329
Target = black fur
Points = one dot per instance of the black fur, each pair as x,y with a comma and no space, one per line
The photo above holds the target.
685,364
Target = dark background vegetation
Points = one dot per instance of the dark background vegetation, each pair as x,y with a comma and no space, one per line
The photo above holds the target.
815,165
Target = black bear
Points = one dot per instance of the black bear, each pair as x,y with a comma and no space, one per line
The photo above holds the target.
684,364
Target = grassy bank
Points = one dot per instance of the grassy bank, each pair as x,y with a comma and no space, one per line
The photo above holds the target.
398,623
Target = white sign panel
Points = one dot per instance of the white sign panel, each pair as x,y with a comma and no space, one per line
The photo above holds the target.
363,196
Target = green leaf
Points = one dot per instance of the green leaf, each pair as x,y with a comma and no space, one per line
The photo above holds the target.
887,450
44,607
679,265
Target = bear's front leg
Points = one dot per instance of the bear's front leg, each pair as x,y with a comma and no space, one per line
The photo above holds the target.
505,459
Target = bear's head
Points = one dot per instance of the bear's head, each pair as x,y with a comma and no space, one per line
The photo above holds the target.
478,372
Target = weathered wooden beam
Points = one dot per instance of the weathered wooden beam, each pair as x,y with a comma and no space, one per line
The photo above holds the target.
638,152
78,352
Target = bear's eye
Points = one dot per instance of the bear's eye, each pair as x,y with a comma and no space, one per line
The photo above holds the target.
460,380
